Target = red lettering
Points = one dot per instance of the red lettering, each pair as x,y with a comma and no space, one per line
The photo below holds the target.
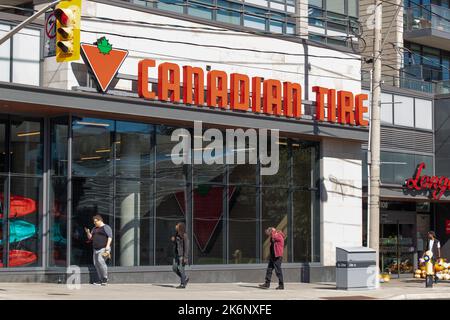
345,107
292,102
239,92
256,94
360,109
272,97
199,85
217,89
143,90
169,82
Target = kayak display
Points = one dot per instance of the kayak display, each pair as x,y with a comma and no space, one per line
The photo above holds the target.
20,258
20,230
19,206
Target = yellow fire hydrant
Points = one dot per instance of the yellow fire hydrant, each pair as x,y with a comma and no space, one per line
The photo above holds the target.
429,269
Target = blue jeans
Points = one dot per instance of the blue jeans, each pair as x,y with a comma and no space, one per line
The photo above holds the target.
178,268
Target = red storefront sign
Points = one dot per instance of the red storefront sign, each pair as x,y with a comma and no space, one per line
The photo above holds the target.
447,226
186,85
438,185
280,99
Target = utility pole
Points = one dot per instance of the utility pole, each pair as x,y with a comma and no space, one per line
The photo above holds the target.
27,22
374,196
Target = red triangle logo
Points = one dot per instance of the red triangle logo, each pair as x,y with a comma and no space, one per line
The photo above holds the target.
208,211
103,66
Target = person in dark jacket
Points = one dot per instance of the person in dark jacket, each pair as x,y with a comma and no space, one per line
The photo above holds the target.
276,256
181,253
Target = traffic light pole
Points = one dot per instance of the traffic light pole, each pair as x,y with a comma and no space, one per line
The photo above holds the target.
7,36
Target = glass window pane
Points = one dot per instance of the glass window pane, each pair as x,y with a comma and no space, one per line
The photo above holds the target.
171,204
282,176
208,205
225,14
133,219
92,147
200,11
90,196
386,108
24,222
304,159
171,5
290,28
26,55
165,167
3,155
59,132
134,149
337,6
403,111
276,26
274,214
302,225
424,114
58,222
26,146
5,52
353,8
243,225
255,19
316,3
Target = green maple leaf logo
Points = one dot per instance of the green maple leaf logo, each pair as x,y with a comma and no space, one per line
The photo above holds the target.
104,46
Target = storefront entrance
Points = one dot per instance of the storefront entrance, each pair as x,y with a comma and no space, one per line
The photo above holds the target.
403,226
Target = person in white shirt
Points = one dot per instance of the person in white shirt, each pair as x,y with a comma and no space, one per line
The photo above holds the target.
433,245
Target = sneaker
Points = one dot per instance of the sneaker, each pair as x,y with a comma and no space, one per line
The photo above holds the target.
280,287
181,286
104,282
265,286
97,283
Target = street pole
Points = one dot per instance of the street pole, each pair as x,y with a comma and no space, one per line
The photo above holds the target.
374,197
27,22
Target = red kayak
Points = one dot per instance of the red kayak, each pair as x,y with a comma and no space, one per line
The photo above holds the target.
19,206
20,258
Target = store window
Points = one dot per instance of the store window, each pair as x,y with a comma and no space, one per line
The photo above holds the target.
58,192
143,194
21,187
397,167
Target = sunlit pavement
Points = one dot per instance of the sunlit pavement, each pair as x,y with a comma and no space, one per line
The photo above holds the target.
396,289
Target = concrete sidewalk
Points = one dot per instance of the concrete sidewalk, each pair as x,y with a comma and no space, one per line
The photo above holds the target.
396,289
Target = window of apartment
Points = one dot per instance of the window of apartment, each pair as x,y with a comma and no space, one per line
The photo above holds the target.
334,15
386,108
20,56
403,111
423,114
267,16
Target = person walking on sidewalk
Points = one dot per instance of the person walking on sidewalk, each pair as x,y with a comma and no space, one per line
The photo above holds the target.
276,257
101,237
433,245
181,253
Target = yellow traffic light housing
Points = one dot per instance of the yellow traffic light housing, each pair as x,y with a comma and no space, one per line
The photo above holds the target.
68,21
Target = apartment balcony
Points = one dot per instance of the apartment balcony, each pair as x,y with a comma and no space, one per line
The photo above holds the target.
428,25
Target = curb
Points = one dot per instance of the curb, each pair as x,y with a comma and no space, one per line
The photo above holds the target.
420,296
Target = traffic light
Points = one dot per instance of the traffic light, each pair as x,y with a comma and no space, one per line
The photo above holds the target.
68,20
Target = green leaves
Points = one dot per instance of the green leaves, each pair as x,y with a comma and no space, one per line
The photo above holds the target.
104,46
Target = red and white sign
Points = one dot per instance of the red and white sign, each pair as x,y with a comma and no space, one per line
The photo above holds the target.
438,185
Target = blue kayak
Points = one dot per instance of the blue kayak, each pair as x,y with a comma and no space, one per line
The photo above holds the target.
20,230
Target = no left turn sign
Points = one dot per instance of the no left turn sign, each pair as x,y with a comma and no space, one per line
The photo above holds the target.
50,26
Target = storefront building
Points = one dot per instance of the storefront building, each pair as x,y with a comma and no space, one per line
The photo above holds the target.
68,152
